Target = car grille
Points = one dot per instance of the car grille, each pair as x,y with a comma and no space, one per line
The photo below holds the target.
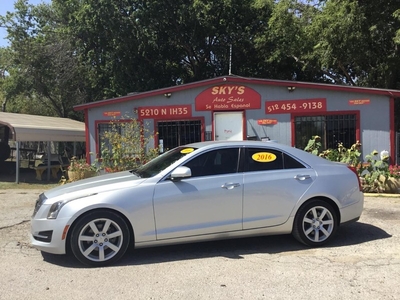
38,204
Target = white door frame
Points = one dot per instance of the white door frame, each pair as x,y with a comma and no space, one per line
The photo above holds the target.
228,125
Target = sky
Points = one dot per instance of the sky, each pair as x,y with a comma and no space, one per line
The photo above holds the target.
8,5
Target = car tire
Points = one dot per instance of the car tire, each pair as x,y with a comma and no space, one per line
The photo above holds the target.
315,223
99,238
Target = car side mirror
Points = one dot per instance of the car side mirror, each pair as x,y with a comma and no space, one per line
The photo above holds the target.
180,173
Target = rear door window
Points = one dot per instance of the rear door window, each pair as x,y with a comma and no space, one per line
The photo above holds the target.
263,159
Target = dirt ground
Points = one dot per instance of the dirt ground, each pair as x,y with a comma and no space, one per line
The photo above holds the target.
363,262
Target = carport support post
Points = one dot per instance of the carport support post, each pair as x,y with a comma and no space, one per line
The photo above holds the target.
17,163
48,160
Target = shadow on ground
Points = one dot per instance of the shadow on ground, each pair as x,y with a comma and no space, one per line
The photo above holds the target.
351,234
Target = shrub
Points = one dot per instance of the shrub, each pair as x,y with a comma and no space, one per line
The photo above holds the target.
125,146
349,156
80,165
373,172
313,145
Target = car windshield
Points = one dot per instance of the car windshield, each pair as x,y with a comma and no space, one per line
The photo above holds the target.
161,162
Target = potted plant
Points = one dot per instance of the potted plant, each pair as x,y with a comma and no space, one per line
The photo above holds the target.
80,169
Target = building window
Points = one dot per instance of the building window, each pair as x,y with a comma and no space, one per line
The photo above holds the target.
172,134
119,128
333,129
103,142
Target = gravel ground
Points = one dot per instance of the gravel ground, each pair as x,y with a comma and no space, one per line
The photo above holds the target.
363,262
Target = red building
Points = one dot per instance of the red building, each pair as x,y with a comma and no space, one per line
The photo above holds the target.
237,108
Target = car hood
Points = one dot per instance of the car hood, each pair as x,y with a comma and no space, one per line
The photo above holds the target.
97,184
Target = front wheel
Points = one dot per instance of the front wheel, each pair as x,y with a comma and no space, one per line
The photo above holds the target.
99,238
315,223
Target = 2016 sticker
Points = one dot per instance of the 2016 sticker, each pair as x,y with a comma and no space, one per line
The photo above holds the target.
187,150
263,157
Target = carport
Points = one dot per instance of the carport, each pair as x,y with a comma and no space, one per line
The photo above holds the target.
33,128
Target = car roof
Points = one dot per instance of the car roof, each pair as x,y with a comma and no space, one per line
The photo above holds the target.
228,143
215,144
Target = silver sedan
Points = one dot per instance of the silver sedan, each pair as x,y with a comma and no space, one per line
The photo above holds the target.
199,192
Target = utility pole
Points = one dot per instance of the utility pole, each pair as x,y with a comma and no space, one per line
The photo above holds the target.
230,59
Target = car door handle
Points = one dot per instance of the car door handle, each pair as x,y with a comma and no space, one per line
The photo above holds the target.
230,186
302,177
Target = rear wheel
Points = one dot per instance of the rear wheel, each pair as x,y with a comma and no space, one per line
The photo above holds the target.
315,223
100,238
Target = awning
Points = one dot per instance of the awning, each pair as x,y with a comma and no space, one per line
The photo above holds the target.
32,128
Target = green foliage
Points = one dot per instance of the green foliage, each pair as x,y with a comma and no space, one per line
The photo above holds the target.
285,44
80,165
374,173
79,169
71,52
355,42
337,41
125,146
314,145
43,75
349,156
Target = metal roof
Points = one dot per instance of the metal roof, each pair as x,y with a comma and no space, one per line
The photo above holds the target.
242,80
33,128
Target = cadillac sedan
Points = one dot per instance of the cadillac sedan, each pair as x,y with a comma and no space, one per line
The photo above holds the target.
199,192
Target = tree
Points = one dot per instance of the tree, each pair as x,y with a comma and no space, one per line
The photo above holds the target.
285,45
75,51
138,45
357,42
339,41
201,33
43,67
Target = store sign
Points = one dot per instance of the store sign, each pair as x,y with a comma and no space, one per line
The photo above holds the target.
359,102
295,106
228,97
164,112
111,113
267,122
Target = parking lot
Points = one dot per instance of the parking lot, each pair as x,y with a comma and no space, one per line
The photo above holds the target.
363,262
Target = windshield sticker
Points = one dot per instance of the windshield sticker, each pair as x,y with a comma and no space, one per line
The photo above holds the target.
263,157
187,150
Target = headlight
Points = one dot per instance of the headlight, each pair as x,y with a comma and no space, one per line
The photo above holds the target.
56,207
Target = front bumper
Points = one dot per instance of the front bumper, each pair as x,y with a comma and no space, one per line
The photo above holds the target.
46,235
